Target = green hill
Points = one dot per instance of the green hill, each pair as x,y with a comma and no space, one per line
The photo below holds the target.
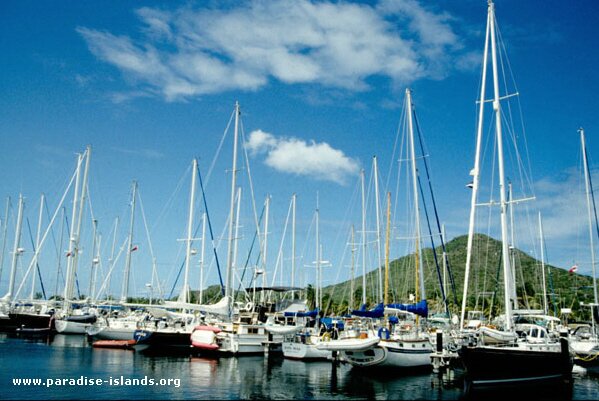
564,289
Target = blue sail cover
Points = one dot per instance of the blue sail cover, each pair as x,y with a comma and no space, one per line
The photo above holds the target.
378,311
420,309
312,313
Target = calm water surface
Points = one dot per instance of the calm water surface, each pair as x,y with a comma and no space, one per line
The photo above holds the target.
251,377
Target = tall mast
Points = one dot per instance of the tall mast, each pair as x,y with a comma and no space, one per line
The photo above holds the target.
72,238
127,273
265,250
502,196
512,248
37,245
82,199
234,262
587,182
97,245
318,283
542,238
184,297
475,172
229,277
352,289
388,234
363,240
418,253
202,260
16,251
111,260
378,225
293,199
5,228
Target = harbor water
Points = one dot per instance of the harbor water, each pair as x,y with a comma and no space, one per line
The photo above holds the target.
67,367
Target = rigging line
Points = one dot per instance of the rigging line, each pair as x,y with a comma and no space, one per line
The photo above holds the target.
247,260
143,216
251,185
220,145
170,200
434,251
56,248
279,260
430,186
395,143
36,262
220,277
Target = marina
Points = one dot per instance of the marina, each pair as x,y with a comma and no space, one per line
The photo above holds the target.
276,267
250,377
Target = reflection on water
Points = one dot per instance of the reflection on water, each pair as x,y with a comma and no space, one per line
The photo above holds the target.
251,377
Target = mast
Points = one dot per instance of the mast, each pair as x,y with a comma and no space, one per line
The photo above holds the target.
234,262
363,240
386,293
378,225
97,245
418,253
229,274
75,255
265,250
72,238
542,238
127,272
92,282
318,283
475,172
587,181
184,296
293,199
111,260
37,245
503,201
202,260
16,251
352,289
512,248
5,228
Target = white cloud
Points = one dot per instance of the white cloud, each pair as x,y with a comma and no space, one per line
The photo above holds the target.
191,52
296,156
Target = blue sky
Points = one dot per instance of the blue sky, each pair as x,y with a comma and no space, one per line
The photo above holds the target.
151,85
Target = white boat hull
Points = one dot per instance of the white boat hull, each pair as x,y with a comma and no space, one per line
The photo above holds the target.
296,350
393,353
67,327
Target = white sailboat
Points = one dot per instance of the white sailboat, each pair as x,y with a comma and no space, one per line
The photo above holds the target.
519,361
75,320
585,343
399,347
174,332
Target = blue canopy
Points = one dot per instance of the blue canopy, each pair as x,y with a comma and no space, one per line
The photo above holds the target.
378,311
331,322
421,308
312,313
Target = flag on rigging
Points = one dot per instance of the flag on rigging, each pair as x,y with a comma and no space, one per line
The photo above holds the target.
134,248
573,269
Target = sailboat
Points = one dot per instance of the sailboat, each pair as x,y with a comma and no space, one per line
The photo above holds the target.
171,331
304,343
402,343
75,317
585,343
512,361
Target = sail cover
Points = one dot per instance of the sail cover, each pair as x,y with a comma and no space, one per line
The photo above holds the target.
378,311
420,308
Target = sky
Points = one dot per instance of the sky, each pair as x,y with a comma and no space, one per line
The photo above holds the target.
151,85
